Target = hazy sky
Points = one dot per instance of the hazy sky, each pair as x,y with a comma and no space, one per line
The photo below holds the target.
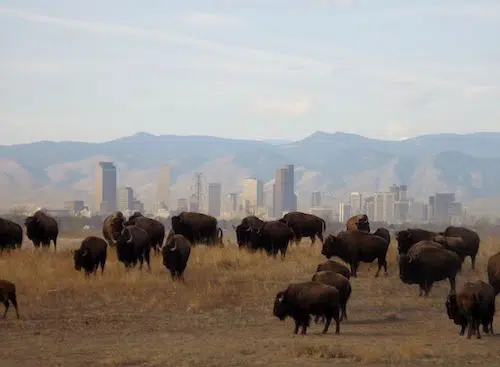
95,70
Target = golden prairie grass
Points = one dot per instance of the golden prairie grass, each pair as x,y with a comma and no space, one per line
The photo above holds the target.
222,315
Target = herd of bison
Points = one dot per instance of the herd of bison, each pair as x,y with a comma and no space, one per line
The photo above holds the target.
424,257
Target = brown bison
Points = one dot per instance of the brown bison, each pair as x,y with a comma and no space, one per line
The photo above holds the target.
41,228
472,306
384,233
273,237
455,244
8,293
196,227
357,246
427,262
243,230
133,245
341,283
471,239
358,222
301,300
112,227
410,236
176,255
336,267
92,253
11,234
494,272
304,225
153,227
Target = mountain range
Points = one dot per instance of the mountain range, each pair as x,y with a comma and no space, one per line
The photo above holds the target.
47,172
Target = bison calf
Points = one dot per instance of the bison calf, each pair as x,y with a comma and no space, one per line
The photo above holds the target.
300,300
494,272
336,267
176,255
8,293
91,254
341,283
472,306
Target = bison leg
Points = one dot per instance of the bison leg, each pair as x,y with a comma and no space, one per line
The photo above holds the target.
473,261
6,304
328,321
55,243
453,286
297,325
343,309
313,239
427,288
320,236
147,258
297,240
354,269
462,330
13,300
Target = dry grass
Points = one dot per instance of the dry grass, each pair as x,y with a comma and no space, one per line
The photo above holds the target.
222,316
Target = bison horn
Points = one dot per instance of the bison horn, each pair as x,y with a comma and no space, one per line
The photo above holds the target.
281,298
174,248
84,252
131,239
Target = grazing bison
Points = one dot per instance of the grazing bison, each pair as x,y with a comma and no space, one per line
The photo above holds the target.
472,306
471,239
273,237
304,225
427,262
300,300
455,244
493,268
358,222
384,233
243,229
153,227
112,227
336,267
410,236
176,255
357,246
252,221
196,227
11,234
41,228
341,283
8,293
92,253
132,245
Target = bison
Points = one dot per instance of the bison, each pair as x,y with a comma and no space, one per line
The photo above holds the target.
242,229
11,234
153,227
493,268
304,225
332,265
427,262
300,300
455,244
91,254
341,283
410,236
196,227
357,246
358,222
132,245
384,233
8,293
472,306
42,228
112,227
176,255
273,237
471,239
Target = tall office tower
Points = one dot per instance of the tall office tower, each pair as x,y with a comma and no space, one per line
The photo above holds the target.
214,199
316,199
384,207
125,199
253,195
105,193
356,203
344,212
163,188
284,191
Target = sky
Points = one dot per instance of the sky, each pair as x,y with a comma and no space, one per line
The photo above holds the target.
97,70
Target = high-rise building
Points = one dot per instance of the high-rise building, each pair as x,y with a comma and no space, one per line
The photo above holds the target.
214,199
125,199
253,195
344,212
443,202
356,203
369,207
285,199
316,199
163,188
384,207
105,193
418,212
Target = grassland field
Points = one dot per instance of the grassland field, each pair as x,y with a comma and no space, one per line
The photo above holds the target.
222,315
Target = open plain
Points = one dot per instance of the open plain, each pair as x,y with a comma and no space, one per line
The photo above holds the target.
222,315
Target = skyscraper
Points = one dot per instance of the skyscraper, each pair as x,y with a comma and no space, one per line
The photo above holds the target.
214,199
284,191
105,193
125,199
316,199
344,212
356,202
163,187
253,194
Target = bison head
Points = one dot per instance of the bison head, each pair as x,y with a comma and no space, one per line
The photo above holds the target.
242,235
406,269
280,309
79,257
362,223
330,246
133,217
452,306
404,240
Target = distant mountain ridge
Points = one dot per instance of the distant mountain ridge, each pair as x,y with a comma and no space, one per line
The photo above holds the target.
467,164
